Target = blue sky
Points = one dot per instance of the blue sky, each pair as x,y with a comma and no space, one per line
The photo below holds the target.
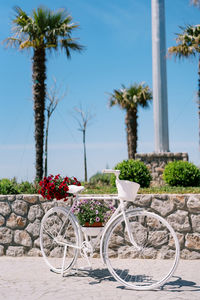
117,37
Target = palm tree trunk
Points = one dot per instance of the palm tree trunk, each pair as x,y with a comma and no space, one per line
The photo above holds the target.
39,91
131,130
85,160
46,147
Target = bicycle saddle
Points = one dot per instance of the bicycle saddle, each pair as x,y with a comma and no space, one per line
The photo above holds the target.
75,189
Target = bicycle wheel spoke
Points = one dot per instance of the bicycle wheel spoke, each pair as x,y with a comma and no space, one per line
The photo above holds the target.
151,257
58,230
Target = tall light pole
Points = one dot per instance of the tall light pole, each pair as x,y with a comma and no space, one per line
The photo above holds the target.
159,77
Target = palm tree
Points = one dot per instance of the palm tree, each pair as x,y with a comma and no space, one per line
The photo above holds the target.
129,99
195,3
188,45
44,31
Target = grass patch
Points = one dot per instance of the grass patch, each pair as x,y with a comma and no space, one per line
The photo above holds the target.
108,189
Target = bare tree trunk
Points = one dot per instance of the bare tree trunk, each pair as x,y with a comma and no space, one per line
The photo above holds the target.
85,160
39,91
199,98
131,129
46,147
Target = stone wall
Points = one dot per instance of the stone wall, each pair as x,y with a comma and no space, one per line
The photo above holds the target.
20,218
156,163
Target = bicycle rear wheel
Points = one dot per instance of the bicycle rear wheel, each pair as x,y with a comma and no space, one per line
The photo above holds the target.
151,261
59,239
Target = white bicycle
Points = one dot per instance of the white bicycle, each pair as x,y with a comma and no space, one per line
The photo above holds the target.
139,248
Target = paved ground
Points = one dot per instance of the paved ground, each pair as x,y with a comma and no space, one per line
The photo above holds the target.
28,278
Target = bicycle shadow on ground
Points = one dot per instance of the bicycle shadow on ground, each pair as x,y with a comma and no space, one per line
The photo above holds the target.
180,285
175,284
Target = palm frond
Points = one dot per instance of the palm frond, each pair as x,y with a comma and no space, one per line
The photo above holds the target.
188,42
195,3
45,28
130,98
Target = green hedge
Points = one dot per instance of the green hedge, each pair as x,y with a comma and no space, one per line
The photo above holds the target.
11,187
181,173
134,170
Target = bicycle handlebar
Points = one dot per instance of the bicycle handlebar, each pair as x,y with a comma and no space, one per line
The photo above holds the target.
116,172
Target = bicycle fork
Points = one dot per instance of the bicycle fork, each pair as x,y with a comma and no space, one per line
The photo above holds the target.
128,228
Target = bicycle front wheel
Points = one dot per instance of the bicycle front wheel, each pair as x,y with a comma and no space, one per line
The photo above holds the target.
147,257
59,239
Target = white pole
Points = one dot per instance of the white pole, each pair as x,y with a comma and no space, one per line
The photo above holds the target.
159,77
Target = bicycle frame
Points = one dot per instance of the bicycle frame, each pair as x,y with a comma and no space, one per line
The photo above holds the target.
100,237
120,211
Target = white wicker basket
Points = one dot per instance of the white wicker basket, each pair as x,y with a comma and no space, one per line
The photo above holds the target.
127,190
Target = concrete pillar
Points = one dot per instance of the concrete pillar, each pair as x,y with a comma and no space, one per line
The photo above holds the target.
159,77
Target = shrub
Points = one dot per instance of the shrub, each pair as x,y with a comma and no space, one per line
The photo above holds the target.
134,170
26,187
8,187
181,173
100,179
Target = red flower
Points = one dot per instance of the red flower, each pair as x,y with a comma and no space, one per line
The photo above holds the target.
56,187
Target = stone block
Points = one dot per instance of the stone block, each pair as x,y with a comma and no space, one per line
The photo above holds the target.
11,198
178,200
15,221
195,223
34,228
23,238
1,250
143,200
6,235
2,220
15,251
36,243
181,239
32,199
180,221
41,199
187,254
20,207
192,241
193,203
47,205
34,252
35,211
164,208
157,238
5,208
3,198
